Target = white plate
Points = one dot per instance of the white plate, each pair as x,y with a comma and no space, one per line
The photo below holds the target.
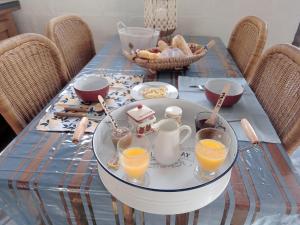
137,91
172,189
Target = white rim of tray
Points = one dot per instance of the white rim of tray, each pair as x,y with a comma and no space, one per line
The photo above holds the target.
166,190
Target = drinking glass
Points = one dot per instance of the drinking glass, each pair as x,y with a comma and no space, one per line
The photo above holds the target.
211,151
135,158
119,133
200,119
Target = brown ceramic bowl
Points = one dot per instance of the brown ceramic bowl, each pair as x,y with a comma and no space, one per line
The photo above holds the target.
88,88
214,87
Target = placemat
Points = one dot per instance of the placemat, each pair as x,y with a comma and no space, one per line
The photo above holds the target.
119,94
248,107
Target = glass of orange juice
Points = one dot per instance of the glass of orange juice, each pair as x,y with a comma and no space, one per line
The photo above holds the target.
135,158
211,151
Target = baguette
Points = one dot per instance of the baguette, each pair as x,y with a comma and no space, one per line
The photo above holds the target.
179,42
162,45
147,55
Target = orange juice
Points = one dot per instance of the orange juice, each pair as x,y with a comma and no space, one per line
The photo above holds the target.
210,154
135,161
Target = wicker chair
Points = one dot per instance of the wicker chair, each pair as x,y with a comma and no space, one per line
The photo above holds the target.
247,42
32,71
74,39
276,83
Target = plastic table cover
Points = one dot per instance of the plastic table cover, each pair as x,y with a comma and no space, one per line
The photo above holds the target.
46,179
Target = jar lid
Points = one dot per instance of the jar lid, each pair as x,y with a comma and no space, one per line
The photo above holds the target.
174,110
140,113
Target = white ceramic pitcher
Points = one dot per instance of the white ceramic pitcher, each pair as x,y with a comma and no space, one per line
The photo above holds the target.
167,142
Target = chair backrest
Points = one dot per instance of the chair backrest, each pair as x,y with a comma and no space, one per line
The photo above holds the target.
74,39
246,43
276,83
32,72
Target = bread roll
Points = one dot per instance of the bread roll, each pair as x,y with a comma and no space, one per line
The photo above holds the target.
147,55
162,45
179,42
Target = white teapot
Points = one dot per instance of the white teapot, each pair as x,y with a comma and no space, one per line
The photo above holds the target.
167,141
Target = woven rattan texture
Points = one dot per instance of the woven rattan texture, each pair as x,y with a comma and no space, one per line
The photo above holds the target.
169,63
31,74
74,39
276,83
161,15
247,42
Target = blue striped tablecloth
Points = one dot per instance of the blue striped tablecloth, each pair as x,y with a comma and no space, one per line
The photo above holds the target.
45,179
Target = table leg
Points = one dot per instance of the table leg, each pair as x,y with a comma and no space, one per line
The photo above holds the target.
196,217
182,219
128,214
168,220
115,209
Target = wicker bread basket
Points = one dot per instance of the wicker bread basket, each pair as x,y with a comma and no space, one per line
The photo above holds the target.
174,63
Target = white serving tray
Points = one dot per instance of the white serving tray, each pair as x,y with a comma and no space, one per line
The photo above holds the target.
172,189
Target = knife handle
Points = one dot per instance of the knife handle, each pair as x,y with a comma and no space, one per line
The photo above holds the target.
249,131
80,129
206,47
77,108
70,114
210,44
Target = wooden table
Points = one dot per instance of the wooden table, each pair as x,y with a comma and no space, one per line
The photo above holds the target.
45,179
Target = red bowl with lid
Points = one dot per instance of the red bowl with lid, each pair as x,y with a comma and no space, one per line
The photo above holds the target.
89,87
214,87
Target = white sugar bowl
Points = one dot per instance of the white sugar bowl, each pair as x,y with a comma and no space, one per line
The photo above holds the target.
141,118
174,112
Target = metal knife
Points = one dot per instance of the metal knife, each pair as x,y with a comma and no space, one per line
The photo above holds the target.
81,108
200,86
77,114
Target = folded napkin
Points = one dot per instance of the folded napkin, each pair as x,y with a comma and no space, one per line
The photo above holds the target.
119,94
248,107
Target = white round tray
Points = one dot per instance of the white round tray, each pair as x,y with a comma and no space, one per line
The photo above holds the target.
172,189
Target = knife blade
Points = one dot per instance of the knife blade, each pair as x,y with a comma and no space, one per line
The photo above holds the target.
77,114
200,86
76,108
81,108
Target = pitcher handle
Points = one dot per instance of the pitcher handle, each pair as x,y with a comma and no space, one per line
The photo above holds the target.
188,134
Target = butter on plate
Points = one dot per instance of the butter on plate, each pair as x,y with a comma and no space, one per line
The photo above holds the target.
154,92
